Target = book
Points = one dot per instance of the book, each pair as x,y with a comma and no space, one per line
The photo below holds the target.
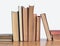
21,22
25,24
15,26
28,23
54,32
38,29
56,37
5,37
31,9
35,27
46,27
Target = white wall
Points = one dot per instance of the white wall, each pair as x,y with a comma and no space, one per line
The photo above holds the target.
50,7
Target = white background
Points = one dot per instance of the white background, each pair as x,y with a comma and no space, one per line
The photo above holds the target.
50,7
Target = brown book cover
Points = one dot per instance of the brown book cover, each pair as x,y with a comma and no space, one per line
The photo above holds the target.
31,9
56,37
15,26
38,29
35,27
46,27
25,23
21,22
54,32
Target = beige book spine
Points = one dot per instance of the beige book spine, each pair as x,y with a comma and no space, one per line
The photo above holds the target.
25,23
35,27
31,9
38,29
15,26
46,27
20,21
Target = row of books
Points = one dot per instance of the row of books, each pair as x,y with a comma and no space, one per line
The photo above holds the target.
25,24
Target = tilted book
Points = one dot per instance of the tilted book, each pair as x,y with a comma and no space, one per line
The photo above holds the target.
46,27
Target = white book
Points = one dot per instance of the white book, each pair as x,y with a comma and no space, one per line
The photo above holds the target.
20,21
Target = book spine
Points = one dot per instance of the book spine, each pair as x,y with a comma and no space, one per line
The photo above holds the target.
38,29
20,21
15,26
35,27
31,8
46,27
25,23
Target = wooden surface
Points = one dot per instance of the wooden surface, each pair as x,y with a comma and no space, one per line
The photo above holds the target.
41,43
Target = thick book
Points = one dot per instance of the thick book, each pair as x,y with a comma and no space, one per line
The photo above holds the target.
31,10
56,37
15,26
21,22
46,27
54,32
38,28
35,27
25,24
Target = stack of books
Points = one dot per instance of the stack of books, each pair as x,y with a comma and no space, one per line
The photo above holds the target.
25,24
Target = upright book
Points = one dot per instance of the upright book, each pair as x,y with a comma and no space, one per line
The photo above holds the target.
21,22
38,29
25,24
31,9
35,27
15,26
46,27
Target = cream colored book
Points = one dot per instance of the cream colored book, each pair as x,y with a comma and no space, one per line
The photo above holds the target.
35,27
20,21
15,26
31,10
46,27
38,28
25,23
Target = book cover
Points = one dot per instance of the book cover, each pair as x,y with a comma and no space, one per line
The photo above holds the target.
46,27
38,29
31,9
15,26
56,37
21,22
25,23
54,32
